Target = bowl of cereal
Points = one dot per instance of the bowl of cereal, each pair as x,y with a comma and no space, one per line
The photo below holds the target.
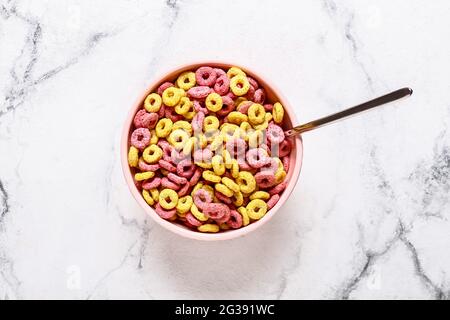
203,151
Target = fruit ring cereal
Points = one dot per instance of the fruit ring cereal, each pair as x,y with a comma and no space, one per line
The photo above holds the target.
207,150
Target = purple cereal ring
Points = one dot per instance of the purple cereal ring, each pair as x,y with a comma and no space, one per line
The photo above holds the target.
167,184
259,96
165,214
278,188
198,107
163,87
178,180
257,158
271,166
285,148
144,166
235,220
172,115
195,177
151,184
202,198
243,107
185,169
222,85
225,217
275,134
219,72
197,123
192,220
265,179
184,190
205,76
223,198
253,82
236,146
140,138
167,165
286,161
162,111
216,211
268,107
273,201
199,92
227,106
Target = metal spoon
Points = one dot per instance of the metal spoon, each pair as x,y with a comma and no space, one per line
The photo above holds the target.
395,95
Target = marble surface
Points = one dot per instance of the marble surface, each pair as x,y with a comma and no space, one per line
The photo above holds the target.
369,218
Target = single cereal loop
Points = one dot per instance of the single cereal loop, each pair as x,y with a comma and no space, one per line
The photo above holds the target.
168,199
237,118
265,179
172,96
210,123
155,194
217,165
234,71
184,204
153,102
147,197
223,189
192,220
256,209
227,160
246,182
198,214
245,217
195,177
144,166
238,199
178,180
185,168
165,214
220,197
152,184
275,134
228,130
182,124
278,188
273,201
213,102
167,165
153,137
184,106
211,176
235,168
163,127
205,76
133,157
199,92
222,85
186,80
230,184
140,138
256,114
278,113
178,138
263,195
167,184
239,85
235,220
280,176
202,198
208,227
152,154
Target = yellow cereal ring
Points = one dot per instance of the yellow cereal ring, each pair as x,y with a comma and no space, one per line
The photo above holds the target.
197,213
263,195
255,138
163,127
198,186
234,71
278,113
211,123
155,194
133,157
144,175
245,217
245,127
228,131
227,160
256,209
184,106
246,182
213,102
237,117
216,143
234,168
172,96
238,199
209,189
224,226
239,85
189,147
239,101
202,141
153,137
217,165
182,124
178,138
184,204
204,165
230,184
186,80
147,197
261,126
256,114
152,154
279,176
153,102
208,227
223,189
168,199
211,176
268,117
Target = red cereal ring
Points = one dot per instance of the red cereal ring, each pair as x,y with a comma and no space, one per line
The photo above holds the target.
259,96
178,180
222,85
275,134
167,165
268,107
205,76
250,93
195,177
225,217
162,111
236,146
167,184
243,107
216,211
202,198
265,179
253,82
138,118
140,138
278,188
257,158
286,161
273,201
163,87
165,214
144,166
193,220
231,95
243,165
199,92
223,198
235,220
152,183
184,190
227,106
219,72
271,166
172,115
151,120
198,107
185,169
285,148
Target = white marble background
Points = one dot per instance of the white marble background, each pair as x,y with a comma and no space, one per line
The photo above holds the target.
369,217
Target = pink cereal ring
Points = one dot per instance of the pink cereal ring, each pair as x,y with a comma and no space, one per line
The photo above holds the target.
195,177
259,96
151,184
227,106
231,95
202,198
176,156
253,82
271,166
167,165
172,115
273,201
185,169
205,76
250,93
235,220
144,166
199,92
275,134
286,161
225,217
184,190
167,184
243,165
223,197
222,85
151,120
163,87
192,220
268,107
204,155
265,179
278,188
139,118
219,72
197,122
285,148
216,211
162,111
236,146
257,158
243,107
140,138
178,180
198,107
165,214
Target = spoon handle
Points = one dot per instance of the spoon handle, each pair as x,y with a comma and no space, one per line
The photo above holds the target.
395,95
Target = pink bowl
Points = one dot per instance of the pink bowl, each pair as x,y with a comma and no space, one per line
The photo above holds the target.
294,168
